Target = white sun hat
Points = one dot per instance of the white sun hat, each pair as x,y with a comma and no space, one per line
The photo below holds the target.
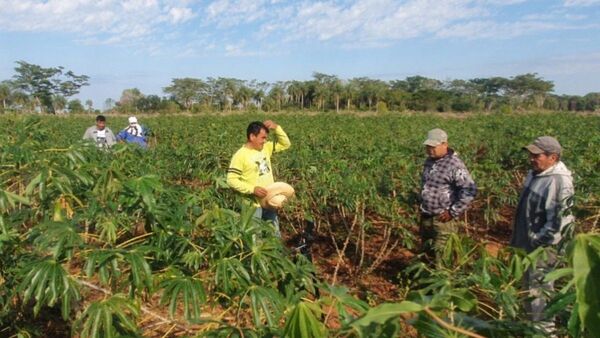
277,195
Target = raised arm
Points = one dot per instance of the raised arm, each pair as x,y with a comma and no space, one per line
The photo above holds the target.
282,141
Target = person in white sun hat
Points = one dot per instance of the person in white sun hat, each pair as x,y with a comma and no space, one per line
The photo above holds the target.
133,133
251,174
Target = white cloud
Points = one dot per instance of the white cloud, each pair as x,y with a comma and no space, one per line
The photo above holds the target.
421,17
345,23
239,49
371,21
490,29
226,13
179,15
502,2
106,21
376,23
570,3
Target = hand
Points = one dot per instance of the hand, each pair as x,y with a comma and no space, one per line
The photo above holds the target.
445,216
270,124
260,192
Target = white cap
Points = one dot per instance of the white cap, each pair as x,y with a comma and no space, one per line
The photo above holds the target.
132,120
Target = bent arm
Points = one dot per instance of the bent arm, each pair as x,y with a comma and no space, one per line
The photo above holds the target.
282,141
557,207
466,191
88,135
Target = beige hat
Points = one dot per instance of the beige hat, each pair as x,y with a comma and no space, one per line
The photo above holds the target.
277,194
436,137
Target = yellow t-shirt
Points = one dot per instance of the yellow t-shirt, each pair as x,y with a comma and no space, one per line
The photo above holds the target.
250,168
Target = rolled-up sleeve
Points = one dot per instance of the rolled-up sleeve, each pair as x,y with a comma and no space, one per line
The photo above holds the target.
282,141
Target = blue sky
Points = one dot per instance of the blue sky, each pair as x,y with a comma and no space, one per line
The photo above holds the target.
146,43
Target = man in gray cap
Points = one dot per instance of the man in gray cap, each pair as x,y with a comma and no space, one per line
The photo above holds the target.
542,214
447,189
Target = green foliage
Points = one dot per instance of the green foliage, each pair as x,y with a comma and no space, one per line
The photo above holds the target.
33,84
383,316
111,317
58,238
9,200
116,265
382,107
44,84
188,290
303,322
586,271
163,222
46,282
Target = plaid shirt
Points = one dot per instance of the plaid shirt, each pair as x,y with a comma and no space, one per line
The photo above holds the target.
446,185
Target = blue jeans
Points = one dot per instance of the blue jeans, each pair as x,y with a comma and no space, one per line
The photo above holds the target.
268,215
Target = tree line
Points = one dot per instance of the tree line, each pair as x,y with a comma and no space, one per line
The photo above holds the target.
36,88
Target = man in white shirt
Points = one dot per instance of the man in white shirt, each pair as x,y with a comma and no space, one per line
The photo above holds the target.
100,134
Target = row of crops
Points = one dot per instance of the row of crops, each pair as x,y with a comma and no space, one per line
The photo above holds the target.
153,243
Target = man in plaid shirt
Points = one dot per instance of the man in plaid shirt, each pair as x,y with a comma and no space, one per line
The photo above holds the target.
447,189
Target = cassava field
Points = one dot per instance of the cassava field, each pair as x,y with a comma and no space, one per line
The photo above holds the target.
153,243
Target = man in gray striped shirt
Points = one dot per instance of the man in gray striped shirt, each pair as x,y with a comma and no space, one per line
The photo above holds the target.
447,189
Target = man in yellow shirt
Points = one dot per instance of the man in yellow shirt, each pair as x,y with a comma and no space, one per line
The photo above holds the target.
250,170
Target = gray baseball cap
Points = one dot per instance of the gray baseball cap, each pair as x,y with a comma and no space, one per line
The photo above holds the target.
544,144
436,137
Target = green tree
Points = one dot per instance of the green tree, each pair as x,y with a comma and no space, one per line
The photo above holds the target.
260,90
297,90
58,104
417,83
277,93
89,104
187,91
592,101
75,106
464,96
5,93
490,90
129,100
148,103
397,99
529,86
45,83
109,104
244,96
371,91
